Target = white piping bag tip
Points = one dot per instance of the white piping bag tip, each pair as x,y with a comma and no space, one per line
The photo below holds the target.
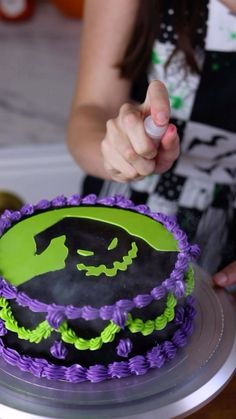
153,131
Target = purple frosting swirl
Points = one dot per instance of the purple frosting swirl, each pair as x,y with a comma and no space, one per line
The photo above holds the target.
119,370
119,318
43,204
155,357
179,315
55,316
124,347
58,350
74,200
27,209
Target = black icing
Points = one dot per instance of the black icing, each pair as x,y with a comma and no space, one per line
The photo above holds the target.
71,286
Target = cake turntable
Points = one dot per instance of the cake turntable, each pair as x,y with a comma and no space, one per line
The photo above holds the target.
196,375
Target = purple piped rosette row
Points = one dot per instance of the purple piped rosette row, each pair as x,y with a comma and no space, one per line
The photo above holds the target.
117,312
137,365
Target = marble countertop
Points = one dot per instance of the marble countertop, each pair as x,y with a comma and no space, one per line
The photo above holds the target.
39,60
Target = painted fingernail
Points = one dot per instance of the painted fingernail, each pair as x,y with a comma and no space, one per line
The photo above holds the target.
171,128
162,117
220,278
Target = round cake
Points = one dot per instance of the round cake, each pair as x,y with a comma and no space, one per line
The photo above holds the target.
93,289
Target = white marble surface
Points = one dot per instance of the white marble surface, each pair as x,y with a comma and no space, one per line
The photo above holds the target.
38,67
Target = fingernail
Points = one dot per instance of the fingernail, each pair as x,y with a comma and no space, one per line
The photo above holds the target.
220,278
162,117
171,128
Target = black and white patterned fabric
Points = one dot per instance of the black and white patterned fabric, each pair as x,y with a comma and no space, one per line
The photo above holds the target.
200,189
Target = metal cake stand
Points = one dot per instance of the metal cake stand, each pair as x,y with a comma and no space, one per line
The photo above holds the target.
191,380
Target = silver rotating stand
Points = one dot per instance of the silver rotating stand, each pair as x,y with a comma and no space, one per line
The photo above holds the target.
196,375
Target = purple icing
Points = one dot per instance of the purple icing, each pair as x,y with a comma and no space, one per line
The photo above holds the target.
119,318
72,312
27,209
143,300
5,223
179,315
138,365
37,367
155,357
43,204
97,373
195,251
169,349
124,347
125,305
90,313
7,214
54,372
6,290
90,199
76,374
179,289
106,312
25,363
16,216
3,330
119,370
74,200
158,292
58,350
56,315
59,201
22,299
179,339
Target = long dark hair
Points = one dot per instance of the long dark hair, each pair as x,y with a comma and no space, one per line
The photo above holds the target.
187,15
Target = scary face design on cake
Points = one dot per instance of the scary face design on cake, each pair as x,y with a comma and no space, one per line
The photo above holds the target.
69,255
89,292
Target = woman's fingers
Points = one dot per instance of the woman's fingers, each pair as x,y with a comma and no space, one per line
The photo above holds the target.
120,159
128,151
226,276
131,122
168,150
157,103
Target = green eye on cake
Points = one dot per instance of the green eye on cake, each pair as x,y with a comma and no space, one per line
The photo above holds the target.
101,288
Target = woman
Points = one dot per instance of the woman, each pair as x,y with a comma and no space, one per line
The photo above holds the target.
196,62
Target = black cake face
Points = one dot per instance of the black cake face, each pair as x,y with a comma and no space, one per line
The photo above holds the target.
96,260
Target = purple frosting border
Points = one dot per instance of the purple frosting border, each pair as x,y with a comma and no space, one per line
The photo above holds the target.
117,312
137,365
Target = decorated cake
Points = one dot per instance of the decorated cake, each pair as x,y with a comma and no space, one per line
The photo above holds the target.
93,289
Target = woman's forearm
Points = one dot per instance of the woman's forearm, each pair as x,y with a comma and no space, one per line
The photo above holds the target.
86,130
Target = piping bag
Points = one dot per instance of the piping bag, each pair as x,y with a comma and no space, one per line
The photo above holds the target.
154,131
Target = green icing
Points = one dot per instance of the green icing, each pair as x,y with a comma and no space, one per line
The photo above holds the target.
136,325
113,244
83,252
233,35
117,266
19,261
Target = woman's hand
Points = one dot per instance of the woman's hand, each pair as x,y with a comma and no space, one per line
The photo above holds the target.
226,276
128,153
